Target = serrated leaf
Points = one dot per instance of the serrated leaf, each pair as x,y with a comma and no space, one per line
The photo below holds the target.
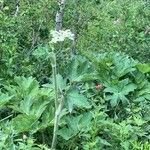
75,125
72,130
76,99
73,122
48,117
129,88
66,133
23,123
38,108
26,104
79,70
85,121
26,87
61,82
119,91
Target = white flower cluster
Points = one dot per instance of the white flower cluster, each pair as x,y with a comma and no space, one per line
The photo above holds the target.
59,36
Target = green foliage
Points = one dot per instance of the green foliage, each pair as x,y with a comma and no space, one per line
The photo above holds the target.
144,68
139,145
76,125
104,92
4,99
76,99
118,114
119,91
115,25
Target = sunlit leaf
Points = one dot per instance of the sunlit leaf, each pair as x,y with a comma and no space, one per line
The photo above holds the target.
144,68
76,99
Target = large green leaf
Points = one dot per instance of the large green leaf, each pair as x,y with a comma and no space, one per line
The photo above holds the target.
66,133
72,129
23,123
76,99
122,64
79,70
27,86
81,123
38,108
117,92
111,65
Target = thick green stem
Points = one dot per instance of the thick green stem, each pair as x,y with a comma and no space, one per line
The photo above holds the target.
54,141
55,83
58,105
54,69
56,123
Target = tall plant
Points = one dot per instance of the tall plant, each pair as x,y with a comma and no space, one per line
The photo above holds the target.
58,36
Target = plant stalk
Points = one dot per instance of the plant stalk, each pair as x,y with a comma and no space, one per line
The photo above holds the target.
58,103
58,106
55,83
56,123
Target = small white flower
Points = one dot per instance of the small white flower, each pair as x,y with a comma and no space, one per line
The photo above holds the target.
59,36
117,22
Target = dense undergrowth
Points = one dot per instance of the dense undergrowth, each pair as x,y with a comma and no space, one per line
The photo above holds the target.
96,88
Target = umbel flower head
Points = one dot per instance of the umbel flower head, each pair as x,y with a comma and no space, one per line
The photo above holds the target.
59,36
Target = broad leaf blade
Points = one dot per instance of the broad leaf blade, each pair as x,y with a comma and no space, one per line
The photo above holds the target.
76,99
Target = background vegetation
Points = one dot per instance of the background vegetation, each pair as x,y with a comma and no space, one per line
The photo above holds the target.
102,75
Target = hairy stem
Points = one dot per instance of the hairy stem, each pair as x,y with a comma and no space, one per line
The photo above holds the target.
58,106
55,82
58,103
56,123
